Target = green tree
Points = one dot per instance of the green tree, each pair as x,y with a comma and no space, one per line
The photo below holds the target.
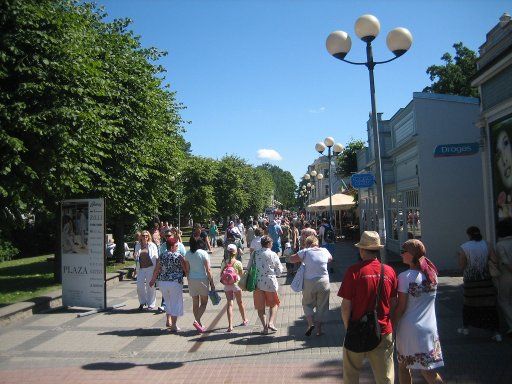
346,162
84,113
260,187
454,77
200,176
231,190
284,184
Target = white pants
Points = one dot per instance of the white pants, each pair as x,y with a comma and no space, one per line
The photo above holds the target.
172,293
147,294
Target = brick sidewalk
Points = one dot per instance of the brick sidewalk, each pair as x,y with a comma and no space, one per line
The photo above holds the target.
126,345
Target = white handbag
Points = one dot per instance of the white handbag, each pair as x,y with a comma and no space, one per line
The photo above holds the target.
298,280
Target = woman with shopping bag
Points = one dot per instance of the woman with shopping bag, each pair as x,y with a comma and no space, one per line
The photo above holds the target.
316,285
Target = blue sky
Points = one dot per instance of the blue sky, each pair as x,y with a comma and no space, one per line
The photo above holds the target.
256,75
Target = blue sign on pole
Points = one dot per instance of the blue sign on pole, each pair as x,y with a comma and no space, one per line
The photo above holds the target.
449,150
362,180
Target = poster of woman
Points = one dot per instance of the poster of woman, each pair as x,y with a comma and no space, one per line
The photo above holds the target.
502,167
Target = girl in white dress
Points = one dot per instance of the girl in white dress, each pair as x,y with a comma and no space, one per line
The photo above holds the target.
417,340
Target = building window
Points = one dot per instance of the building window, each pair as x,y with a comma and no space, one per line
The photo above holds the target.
327,191
412,202
394,219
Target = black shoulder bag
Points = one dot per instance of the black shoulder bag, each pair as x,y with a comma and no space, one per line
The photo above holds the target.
363,335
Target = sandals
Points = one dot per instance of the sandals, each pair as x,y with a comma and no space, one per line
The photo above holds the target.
199,327
309,331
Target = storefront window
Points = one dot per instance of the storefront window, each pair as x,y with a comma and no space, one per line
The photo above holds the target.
392,223
413,214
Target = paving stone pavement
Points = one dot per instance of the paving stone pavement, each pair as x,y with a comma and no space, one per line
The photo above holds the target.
128,346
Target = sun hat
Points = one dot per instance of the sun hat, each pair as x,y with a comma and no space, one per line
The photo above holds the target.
232,248
370,240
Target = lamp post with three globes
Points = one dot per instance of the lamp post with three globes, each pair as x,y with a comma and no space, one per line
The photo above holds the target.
399,40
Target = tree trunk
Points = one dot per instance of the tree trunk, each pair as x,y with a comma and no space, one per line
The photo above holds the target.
119,239
57,260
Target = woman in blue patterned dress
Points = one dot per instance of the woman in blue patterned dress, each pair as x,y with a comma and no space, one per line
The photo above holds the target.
169,271
417,339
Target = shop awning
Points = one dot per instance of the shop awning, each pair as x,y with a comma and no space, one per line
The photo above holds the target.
340,201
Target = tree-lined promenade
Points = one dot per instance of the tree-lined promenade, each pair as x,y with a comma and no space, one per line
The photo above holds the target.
86,111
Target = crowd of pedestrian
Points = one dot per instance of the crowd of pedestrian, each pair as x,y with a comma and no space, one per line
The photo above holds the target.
402,307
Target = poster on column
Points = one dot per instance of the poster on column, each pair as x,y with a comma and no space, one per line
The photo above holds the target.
83,253
501,160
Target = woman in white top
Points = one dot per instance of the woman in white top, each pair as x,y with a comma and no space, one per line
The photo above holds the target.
316,288
269,268
417,339
146,256
256,241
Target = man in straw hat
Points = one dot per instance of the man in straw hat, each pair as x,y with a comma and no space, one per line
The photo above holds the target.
359,291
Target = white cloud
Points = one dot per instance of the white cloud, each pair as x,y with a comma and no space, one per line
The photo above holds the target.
269,154
319,110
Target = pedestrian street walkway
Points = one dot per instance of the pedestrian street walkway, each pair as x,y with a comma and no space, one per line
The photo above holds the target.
128,346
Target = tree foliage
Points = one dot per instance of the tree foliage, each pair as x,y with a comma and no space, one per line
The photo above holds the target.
284,184
260,187
199,177
84,112
454,77
231,190
346,162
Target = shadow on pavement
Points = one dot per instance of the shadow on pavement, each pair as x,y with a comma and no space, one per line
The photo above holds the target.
213,335
108,366
327,368
260,339
138,332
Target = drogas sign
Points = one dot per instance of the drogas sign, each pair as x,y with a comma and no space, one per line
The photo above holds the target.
449,150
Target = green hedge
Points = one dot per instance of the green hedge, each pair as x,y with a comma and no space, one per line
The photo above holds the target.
7,250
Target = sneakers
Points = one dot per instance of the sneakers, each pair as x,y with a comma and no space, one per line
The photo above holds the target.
463,331
161,309
199,327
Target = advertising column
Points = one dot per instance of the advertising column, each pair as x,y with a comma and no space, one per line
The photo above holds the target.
83,253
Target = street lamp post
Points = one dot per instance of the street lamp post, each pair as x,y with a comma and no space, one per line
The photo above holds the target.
399,40
336,150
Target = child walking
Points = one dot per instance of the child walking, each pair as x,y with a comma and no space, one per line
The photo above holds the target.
230,272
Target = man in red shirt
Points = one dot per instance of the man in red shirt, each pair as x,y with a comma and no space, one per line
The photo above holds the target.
359,290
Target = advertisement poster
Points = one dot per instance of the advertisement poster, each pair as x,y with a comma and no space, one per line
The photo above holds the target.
83,253
501,160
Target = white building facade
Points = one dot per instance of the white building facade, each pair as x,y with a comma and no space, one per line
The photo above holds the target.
431,173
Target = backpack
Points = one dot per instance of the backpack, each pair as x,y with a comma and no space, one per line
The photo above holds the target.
329,236
229,275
